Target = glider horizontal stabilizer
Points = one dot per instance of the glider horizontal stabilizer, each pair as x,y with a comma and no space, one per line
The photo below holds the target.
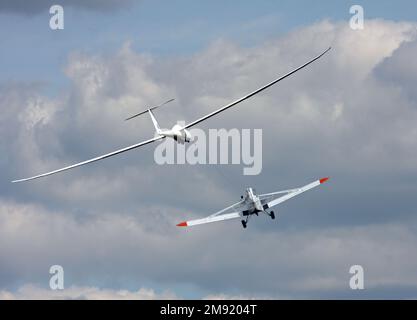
151,108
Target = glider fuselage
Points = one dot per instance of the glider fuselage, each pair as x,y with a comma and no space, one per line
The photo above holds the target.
177,133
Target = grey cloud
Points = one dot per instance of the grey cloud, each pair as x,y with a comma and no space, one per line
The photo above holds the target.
289,263
39,6
399,71
350,116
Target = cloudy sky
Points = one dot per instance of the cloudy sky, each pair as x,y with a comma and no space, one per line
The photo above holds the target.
111,225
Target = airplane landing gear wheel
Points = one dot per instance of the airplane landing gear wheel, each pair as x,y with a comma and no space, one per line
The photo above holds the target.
272,215
244,224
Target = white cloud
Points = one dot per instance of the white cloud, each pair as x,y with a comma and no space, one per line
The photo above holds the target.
344,116
33,292
301,111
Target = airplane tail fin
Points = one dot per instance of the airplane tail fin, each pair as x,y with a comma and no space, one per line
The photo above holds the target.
155,123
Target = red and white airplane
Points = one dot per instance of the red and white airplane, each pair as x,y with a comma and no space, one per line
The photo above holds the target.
253,204
179,133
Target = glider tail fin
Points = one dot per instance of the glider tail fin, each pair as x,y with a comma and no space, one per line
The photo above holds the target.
155,123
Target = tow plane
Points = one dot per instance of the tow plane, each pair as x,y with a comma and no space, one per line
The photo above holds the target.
179,133
253,204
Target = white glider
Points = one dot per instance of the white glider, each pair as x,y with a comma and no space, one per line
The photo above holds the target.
179,133
253,204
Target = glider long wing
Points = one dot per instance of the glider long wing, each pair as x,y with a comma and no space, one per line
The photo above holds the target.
254,92
94,159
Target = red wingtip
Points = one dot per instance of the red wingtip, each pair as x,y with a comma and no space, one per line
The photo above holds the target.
323,180
182,224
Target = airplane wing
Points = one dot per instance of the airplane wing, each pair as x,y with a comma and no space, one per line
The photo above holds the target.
226,216
254,92
94,159
221,215
269,200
